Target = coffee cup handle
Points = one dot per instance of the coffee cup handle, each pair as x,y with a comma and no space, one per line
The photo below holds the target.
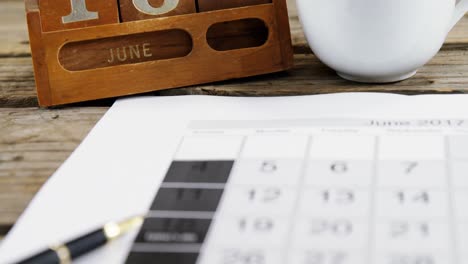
460,10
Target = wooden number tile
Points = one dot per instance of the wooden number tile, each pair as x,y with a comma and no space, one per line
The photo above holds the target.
131,10
209,5
69,14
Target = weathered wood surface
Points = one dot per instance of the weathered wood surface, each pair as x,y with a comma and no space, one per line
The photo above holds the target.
446,73
34,142
13,31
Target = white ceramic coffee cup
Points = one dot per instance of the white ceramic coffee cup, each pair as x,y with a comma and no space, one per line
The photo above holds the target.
378,41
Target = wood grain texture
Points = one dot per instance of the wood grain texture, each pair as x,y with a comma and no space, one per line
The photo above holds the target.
121,50
447,72
209,5
237,34
33,144
53,13
41,70
17,88
14,41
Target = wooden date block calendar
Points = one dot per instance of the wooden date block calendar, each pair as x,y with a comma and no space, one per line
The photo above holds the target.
85,50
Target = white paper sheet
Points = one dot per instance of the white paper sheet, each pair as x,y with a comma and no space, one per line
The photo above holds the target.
116,171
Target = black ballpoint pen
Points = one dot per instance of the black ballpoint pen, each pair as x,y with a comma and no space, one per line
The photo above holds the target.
65,253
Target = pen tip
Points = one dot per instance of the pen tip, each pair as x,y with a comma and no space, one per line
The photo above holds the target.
114,230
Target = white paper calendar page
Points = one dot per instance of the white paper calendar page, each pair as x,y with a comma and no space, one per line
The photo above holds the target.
338,179
312,191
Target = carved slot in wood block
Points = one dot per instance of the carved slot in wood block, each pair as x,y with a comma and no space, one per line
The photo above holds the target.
135,48
131,10
69,14
209,5
237,34
126,58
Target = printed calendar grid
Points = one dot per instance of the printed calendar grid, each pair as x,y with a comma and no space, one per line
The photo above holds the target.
450,192
300,193
369,252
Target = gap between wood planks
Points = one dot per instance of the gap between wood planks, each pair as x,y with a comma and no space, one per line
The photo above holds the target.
4,229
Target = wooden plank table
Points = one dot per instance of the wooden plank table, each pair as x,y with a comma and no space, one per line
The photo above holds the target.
34,142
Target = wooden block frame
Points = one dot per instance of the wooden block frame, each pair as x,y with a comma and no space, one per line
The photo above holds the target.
57,86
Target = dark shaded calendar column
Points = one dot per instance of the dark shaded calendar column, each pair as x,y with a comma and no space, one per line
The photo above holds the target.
182,211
